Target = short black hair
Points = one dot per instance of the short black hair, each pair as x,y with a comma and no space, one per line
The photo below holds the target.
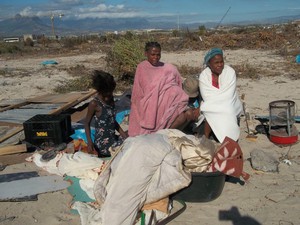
103,82
152,44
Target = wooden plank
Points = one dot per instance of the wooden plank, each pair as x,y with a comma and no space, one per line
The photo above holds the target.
79,115
58,98
70,104
12,159
8,102
5,137
14,106
10,124
20,115
13,149
82,96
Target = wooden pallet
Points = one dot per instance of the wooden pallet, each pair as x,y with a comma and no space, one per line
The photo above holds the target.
13,116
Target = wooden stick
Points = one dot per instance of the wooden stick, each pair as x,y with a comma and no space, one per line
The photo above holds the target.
17,130
13,149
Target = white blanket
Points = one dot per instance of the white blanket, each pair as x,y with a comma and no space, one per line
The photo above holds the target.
222,106
79,164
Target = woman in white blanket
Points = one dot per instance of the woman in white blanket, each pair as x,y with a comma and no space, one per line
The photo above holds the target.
221,105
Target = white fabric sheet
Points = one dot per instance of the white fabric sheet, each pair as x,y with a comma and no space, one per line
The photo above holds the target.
222,106
79,164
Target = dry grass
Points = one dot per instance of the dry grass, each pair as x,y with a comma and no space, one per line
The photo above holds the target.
245,70
186,70
78,84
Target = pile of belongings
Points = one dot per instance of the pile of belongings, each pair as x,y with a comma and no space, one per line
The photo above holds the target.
143,172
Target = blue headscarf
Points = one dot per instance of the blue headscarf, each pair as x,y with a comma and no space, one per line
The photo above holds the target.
211,53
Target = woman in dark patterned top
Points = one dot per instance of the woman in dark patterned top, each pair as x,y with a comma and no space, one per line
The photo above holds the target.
102,109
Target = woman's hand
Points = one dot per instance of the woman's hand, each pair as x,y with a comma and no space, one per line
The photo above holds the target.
189,114
90,148
192,114
124,134
196,113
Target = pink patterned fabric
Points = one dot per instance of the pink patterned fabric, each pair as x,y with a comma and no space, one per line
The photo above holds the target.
229,159
157,98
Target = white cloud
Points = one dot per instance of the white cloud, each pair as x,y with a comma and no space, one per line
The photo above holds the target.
106,11
26,11
103,8
70,1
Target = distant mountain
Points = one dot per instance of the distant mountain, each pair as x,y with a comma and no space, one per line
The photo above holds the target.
19,25
105,24
22,25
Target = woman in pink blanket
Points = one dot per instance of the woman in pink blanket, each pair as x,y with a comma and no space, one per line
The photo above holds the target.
158,100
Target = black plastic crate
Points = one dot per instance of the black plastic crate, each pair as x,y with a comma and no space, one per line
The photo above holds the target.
45,128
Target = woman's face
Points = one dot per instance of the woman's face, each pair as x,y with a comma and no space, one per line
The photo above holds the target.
216,64
153,55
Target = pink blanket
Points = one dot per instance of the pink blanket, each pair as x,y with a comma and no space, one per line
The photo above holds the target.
157,98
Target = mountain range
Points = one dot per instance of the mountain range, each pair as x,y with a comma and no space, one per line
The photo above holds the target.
19,25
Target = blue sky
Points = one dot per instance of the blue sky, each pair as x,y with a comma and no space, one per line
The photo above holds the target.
181,11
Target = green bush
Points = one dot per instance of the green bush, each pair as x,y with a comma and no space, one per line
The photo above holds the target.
9,48
124,56
201,30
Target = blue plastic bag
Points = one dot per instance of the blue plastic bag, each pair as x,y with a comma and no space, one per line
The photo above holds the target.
80,134
298,59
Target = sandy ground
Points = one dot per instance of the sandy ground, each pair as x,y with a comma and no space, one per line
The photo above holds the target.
268,198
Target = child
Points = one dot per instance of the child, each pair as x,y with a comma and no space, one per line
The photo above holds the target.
191,87
102,109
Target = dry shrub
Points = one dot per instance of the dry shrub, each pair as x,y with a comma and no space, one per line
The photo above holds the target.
186,70
246,71
122,86
83,83
71,42
28,42
2,72
43,41
283,51
265,36
78,70
292,69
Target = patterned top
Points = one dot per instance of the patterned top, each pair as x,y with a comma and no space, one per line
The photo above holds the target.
105,126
